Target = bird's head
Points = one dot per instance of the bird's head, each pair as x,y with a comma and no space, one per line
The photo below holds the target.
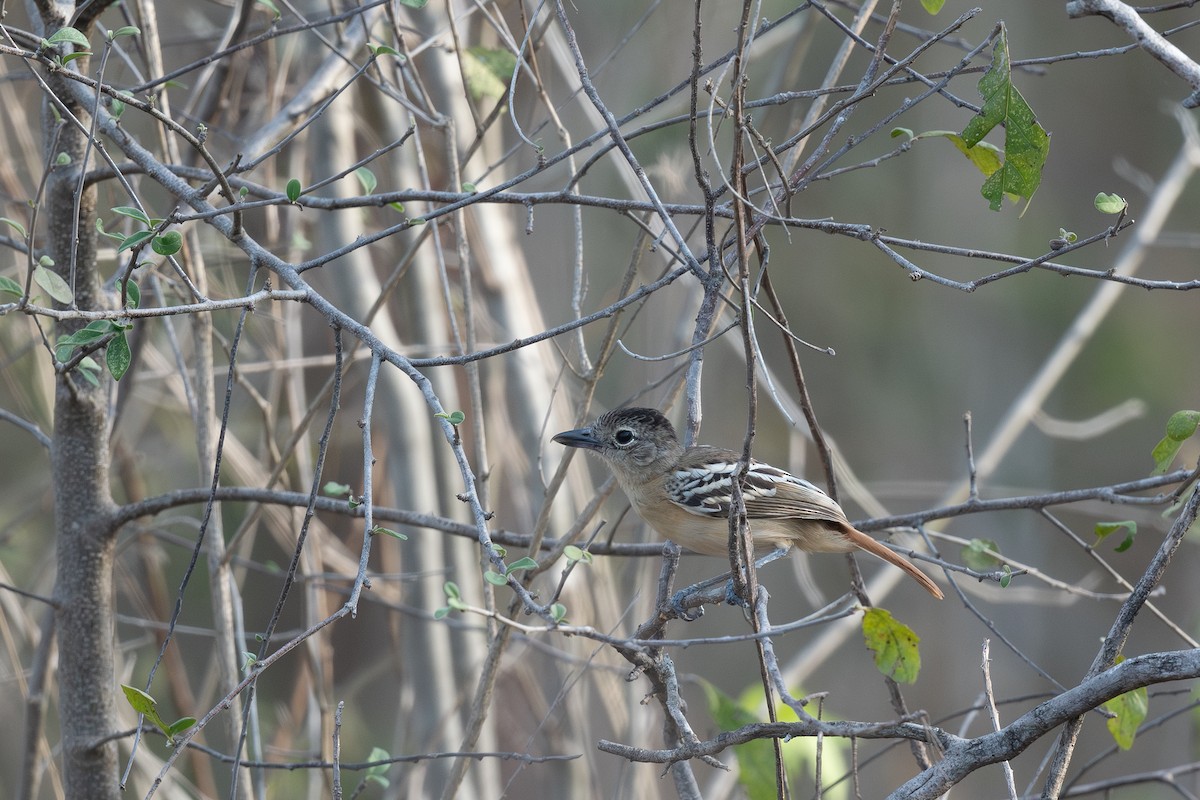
634,441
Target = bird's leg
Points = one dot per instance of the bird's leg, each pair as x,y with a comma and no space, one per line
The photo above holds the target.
684,602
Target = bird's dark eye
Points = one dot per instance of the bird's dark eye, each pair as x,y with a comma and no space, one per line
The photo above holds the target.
624,436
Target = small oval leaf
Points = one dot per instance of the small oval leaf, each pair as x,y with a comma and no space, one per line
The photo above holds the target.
69,35
133,295
9,286
1110,203
367,179
118,357
134,239
168,244
54,285
18,227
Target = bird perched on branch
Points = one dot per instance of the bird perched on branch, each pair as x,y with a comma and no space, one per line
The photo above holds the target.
685,493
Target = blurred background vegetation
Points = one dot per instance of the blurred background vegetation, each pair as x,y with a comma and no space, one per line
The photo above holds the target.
911,358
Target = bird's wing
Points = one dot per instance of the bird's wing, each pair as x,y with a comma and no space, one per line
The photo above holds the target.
772,493
769,492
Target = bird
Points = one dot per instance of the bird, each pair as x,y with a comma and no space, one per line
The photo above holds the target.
685,493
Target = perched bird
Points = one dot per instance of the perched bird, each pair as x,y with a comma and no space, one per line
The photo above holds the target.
685,493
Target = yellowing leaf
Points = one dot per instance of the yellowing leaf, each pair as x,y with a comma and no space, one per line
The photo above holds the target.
1130,709
1180,427
488,71
894,645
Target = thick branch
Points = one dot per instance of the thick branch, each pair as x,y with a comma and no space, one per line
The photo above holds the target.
1147,38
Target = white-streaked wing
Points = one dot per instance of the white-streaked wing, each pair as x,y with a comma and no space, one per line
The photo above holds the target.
706,490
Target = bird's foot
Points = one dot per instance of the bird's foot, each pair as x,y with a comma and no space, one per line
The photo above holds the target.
684,604
732,597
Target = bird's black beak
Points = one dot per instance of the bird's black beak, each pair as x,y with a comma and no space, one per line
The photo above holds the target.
580,437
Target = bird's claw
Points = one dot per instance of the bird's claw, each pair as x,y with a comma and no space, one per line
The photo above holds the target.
685,613
731,595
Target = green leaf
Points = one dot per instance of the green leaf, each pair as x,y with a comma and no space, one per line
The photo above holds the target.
1180,427
367,179
574,553
450,588
135,214
414,3
558,611
1005,576
128,30
487,71
894,645
453,417
523,563
62,159
18,227
53,284
379,529
180,725
495,578
756,759
501,550
1110,203
133,295
89,369
1130,709
134,239
141,702
1026,143
336,489
376,773
96,329
69,57
469,187
118,357
976,556
933,6
441,613
1104,529
293,190
69,35
9,286
382,50
120,237
168,244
